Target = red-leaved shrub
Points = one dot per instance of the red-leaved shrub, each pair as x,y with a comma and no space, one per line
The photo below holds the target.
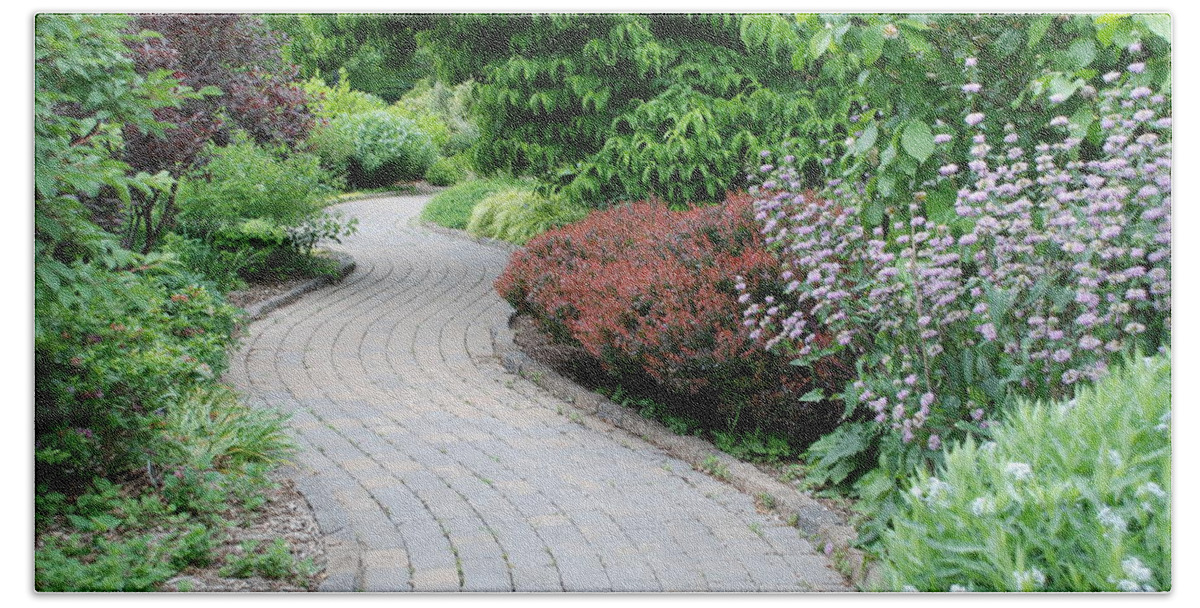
651,294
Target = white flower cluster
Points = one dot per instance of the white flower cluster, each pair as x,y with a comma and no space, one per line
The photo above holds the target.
1138,575
1110,519
1029,579
1019,470
982,506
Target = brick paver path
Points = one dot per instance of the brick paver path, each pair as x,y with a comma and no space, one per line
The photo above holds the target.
431,468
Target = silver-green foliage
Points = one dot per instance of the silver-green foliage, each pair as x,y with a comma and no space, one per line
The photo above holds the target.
1070,496
518,215
386,147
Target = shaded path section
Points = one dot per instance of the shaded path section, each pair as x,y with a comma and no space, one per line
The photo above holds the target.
431,468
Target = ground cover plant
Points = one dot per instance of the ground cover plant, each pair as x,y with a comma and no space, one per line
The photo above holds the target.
517,215
1065,496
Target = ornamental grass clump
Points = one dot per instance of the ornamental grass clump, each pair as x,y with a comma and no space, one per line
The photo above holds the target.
1059,259
1067,496
517,215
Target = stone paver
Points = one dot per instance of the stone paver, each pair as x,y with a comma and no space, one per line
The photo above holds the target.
433,469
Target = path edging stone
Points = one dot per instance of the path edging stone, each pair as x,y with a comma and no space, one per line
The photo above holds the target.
824,529
259,310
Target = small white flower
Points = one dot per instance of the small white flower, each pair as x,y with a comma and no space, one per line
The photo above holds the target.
1029,580
1110,519
1136,570
1019,470
908,589
1128,586
1153,489
981,506
937,487
959,589
1164,423
1115,458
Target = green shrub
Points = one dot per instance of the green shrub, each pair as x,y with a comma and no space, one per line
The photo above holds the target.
333,146
244,181
339,99
77,564
452,207
623,107
256,214
109,369
442,112
387,148
221,433
518,215
447,171
221,267
1068,496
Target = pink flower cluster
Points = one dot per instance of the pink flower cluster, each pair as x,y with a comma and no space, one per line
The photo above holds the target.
1066,262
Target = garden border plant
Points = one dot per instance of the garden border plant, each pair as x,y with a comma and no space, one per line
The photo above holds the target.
1059,261
141,457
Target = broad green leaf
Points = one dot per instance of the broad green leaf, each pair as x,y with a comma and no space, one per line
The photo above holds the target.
873,211
1081,53
820,43
885,185
939,205
813,396
913,24
1107,27
872,44
887,156
1007,43
1080,121
1060,85
917,140
864,143
1037,30
799,59
918,44
1158,24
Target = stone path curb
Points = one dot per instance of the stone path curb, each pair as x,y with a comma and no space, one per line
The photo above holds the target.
259,310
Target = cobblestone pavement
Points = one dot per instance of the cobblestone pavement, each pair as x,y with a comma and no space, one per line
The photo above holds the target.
431,468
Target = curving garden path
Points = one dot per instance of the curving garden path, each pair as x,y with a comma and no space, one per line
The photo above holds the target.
431,468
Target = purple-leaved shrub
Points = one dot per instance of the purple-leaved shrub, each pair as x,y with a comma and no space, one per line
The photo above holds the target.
1060,258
